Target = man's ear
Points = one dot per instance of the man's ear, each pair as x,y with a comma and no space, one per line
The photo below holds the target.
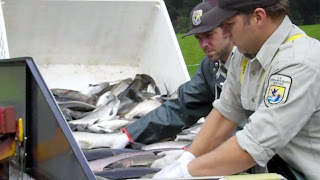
259,17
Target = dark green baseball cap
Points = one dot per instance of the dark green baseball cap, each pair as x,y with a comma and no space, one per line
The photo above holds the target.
228,8
197,25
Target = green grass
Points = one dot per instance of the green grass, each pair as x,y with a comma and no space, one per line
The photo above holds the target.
193,54
312,30
191,51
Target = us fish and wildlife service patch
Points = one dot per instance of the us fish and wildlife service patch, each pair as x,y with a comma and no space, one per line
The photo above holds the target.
196,17
278,90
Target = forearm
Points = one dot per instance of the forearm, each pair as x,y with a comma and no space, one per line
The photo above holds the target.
229,158
166,121
214,132
194,101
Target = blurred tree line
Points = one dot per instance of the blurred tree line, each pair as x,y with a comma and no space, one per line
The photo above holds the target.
301,12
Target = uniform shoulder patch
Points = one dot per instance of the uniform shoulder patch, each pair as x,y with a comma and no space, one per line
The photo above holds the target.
278,90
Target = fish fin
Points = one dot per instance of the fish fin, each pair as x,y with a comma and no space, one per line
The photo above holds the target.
167,91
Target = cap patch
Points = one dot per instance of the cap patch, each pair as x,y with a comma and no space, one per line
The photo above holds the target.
196,17
278,90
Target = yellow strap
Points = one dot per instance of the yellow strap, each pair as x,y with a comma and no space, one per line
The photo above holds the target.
294,37
243,68
245,61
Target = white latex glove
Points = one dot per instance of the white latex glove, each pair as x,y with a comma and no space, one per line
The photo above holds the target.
168,157
177,169
120,142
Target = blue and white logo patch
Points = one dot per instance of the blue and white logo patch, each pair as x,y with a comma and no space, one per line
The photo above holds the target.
278,90
196,17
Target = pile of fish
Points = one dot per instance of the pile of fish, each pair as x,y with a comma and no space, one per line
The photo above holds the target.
97,114
108,106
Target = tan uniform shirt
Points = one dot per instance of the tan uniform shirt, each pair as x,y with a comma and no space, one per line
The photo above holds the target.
281,87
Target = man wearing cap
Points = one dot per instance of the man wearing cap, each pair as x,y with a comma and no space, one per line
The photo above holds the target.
195,97
275,85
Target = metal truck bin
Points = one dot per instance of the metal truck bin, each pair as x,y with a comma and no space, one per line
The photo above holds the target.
71,44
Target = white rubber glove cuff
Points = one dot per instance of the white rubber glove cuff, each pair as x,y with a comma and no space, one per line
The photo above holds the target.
184,160
175,170
184,170
186,157
121,142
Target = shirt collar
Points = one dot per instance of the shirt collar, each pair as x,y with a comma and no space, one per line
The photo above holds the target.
224,66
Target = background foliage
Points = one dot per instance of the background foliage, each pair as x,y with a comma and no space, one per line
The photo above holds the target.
192,53
302,12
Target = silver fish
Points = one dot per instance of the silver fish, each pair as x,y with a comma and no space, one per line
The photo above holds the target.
185,137
112,86
72,114
103,113
151,88
87,140
120,87
142,108
108,126
124,101
67,114
192,130
143,160
99,164
138,84
105,98
139,96
76,105
64,95
166,144
126,109
95,88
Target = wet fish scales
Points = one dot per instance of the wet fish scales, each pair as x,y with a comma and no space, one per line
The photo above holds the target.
71,95
142,108
113,84
121,87
94,89
106,112
114,125
76,105
138,84
143,160
99,164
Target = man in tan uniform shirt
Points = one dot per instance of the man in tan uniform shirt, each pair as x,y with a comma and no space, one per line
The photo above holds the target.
275,85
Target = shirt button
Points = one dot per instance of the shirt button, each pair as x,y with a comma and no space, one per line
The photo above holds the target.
214,69
253,73
216,64
252,99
